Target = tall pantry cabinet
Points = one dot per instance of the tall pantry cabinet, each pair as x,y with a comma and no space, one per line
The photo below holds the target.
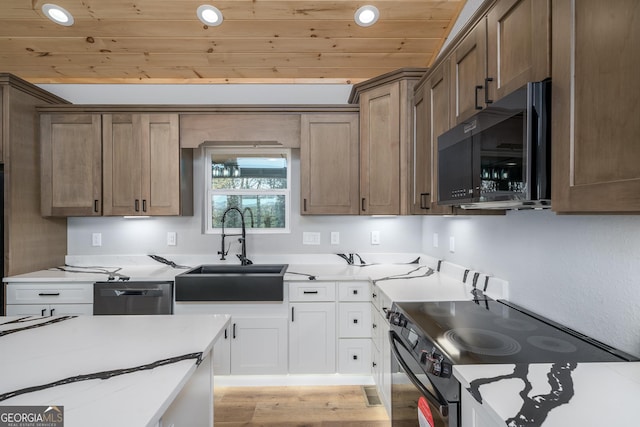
30,241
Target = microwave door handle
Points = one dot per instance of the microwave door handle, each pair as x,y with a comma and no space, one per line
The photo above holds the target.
440,403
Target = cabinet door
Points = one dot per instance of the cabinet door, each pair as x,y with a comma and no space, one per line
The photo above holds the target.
437,93
222,353
122,159
3,120
312,338
329,159
518,45
354,319
421,191
468,72
71,164
258,346
354,356
160,164
595,128
380,150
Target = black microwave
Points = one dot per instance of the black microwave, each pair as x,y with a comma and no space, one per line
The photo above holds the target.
501,157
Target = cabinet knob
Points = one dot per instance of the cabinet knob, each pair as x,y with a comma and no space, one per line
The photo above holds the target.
374,364
355,357
355,321
355,292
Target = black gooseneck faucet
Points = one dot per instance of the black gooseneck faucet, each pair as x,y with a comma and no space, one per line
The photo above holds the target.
242,256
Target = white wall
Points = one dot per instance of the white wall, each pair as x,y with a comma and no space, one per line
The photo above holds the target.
582,271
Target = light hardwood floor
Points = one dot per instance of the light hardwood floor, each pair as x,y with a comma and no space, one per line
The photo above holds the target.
326,406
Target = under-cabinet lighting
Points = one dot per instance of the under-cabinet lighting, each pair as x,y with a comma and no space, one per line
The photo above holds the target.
209,15
57,14
136,217
366,15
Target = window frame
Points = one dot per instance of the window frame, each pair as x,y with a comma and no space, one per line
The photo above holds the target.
209,192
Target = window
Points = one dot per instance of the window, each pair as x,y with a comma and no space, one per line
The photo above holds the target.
256,181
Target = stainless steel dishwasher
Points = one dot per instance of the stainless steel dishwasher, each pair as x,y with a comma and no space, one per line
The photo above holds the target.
133,298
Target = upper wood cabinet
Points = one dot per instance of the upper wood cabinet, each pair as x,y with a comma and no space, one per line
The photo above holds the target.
386,135
432,116
595,128
518,45
329,160
71,164
141,159
503,51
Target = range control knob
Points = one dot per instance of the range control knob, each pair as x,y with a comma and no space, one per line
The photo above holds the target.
397,319
435,363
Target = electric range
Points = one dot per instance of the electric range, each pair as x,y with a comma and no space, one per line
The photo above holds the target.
428,338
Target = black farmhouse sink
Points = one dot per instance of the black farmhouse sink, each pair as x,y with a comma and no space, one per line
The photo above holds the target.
213,282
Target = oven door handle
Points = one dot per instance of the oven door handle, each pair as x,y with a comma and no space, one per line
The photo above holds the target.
443,407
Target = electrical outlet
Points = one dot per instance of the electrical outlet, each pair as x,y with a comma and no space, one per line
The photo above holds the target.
172,238
375,237
96,239
335,238
435,240
310,238
452,244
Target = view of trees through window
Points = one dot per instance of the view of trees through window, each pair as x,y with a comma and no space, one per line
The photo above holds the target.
255,183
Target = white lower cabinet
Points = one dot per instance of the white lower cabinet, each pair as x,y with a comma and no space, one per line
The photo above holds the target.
381,348
354,356
312,338
473,414
258,345
254,343
49,299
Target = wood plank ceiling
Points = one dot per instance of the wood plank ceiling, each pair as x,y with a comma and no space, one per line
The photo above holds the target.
162,41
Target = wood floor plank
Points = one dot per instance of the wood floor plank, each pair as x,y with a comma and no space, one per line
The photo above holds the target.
326,406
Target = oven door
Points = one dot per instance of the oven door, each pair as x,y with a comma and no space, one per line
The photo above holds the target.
408,384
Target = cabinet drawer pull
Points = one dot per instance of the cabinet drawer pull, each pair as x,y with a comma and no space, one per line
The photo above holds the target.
144,205
478,107
486,90
304,205
136,206
362,208
292,314
49,294
309,292
95,206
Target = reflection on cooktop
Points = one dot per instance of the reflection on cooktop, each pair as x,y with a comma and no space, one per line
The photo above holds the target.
482,341
515,324
552,344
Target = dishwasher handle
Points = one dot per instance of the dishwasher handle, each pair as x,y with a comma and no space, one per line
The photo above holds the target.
131,292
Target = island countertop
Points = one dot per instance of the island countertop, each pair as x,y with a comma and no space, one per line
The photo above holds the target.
104,370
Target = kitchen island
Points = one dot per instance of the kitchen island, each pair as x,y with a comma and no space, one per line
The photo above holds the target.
112,370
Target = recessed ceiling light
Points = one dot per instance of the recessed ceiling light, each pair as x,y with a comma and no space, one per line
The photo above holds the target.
209,15
57,14
366,15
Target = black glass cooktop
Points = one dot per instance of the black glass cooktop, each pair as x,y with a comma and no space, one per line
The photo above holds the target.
489,331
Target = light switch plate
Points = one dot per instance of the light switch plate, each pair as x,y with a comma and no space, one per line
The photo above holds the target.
452,244
172,238
375,237
310,238
96,239
435,240
335,238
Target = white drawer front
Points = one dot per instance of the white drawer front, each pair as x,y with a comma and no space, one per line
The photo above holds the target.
354,291
312,291
49,293
354,356
354,320
49,310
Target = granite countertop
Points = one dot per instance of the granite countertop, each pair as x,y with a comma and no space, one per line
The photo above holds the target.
556,395
136,365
